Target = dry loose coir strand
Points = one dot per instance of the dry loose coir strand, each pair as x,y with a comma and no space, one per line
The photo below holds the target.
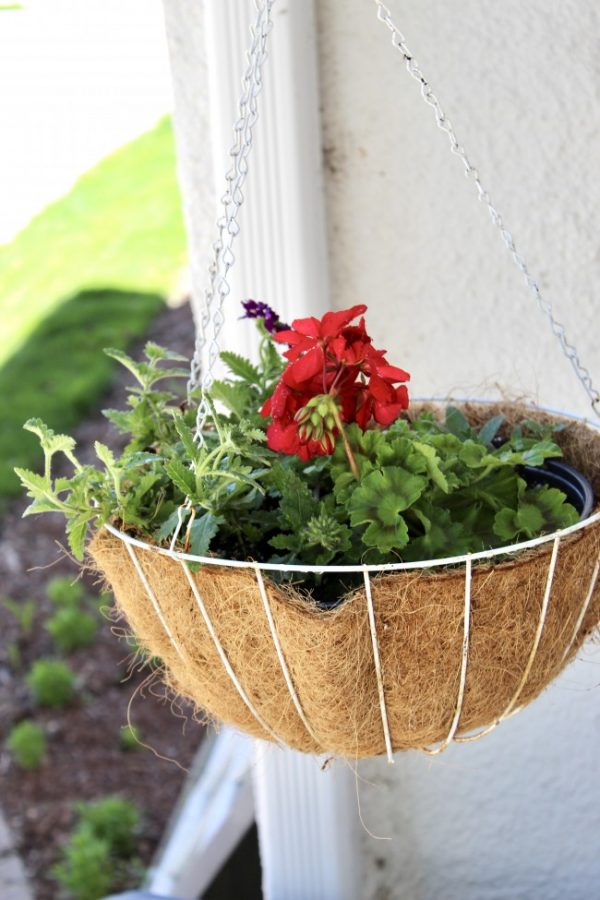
419,617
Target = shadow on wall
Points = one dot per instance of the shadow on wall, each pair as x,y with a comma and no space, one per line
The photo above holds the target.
60,371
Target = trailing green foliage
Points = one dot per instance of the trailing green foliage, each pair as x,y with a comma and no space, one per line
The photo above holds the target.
27,744
426,488
51,682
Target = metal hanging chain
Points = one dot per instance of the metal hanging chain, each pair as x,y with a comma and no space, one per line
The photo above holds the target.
399,42
227,226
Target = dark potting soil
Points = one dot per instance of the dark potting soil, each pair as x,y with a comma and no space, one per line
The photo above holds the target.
84,760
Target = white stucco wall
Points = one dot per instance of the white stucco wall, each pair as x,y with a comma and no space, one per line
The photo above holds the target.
517,815
520,82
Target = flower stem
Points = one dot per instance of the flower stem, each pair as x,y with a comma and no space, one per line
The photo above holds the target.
347,448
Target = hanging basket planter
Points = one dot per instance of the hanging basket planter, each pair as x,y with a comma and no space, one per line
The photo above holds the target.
415,651
421,655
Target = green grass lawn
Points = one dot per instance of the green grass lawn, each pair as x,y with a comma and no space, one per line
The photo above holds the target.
88,272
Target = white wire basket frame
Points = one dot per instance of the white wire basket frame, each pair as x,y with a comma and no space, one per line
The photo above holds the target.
468,560
210,322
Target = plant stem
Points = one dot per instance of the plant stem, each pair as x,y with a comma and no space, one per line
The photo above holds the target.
347,448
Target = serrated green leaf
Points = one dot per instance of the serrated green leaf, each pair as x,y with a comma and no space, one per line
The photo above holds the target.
202,532
33,481
154,353
50,441
76,533
383,494
105,455
289,542
186,435
297,505
240,366
181,476
233,396
136,369
170,524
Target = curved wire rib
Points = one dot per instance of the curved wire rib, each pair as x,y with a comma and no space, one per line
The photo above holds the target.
377,661
377,567
434,751
223,656
584,608
282,663
510,709
444,124
152,597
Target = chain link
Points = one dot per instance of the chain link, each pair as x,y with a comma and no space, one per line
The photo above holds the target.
399,42
227,226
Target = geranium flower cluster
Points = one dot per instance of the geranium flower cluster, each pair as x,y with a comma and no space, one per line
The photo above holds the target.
334,376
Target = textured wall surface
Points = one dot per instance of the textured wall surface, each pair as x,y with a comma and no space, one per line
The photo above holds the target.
516,816
521,84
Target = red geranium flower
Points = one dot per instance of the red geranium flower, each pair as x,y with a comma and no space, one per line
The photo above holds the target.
333,367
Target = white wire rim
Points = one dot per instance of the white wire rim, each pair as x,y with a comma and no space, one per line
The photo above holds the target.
381,567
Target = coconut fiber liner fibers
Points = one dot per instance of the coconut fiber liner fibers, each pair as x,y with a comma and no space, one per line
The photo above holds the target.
419,616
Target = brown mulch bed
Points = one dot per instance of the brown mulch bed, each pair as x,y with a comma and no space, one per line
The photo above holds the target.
85,760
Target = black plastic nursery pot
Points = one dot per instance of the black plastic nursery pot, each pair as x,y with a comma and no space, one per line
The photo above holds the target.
559,474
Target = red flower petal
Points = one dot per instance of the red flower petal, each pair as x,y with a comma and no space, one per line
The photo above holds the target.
309,327
386,413
392,373
402,396
364,412
380,390
283,438
333,322
286,337
304,368
279,400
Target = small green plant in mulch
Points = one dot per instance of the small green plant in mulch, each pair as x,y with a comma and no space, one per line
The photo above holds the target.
27,744
114,820
75,623
71,629
51,682
129,738
23,612
85,871
99,856
64,592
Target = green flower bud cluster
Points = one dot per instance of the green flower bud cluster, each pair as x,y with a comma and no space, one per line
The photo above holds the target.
317,420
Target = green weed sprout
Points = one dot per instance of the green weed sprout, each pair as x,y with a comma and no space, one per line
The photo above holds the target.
51,682
27,744
71,629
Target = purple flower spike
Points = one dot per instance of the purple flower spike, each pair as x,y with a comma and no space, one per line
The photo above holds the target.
255,309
